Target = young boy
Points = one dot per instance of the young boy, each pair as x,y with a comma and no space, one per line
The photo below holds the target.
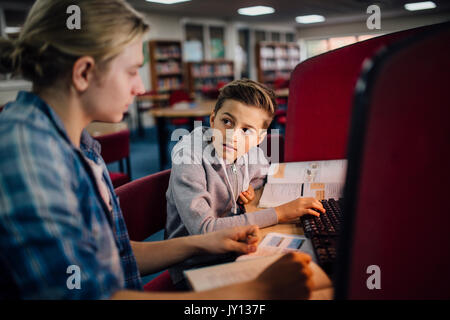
214,168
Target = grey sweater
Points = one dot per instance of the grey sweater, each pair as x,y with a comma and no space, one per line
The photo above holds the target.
203,191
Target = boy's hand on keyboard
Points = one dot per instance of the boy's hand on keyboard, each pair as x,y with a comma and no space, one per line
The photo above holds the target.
297,208
290,277
247,196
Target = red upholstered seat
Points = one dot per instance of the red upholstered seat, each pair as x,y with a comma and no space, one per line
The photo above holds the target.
282,120
320,99
116,147
395,209
163,282
176,97
119,178
143,204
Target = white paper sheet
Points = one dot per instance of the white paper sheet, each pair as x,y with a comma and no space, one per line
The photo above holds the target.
308,171
322,191
275,194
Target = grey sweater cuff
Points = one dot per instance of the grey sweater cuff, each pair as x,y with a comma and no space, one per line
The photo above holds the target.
263,218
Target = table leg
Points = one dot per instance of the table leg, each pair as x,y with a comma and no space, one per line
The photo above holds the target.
141,132
162,141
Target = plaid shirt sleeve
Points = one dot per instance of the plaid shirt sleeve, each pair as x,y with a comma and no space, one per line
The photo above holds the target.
42,231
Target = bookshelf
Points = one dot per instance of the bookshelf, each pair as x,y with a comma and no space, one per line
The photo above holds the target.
206,75
166,66
276,60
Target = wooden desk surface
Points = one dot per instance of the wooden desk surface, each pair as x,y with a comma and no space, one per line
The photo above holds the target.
282,93
96,129
288,228
201,109
153,97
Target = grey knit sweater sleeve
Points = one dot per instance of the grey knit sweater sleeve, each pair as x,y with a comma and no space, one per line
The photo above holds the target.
198,201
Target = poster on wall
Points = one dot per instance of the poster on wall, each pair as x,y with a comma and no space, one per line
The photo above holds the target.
193,51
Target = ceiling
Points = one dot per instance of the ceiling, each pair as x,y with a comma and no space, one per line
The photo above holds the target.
335,11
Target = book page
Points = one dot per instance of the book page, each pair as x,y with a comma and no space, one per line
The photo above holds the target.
279,243
308,171
322,191
277,194
234,272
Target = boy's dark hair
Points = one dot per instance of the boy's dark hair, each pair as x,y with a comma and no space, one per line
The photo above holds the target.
250,93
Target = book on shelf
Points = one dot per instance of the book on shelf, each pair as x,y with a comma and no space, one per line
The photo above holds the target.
292,180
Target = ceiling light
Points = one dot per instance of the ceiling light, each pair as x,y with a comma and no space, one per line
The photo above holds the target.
167,1
256,11
420,6
12,29
312,18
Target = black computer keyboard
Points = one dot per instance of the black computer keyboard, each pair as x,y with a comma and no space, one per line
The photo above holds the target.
324,231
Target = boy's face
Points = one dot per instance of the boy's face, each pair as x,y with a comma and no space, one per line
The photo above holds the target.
114,90
238,128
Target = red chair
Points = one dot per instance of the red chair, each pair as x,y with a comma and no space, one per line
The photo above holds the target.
143,204
320,99
175,97
116,148
396,215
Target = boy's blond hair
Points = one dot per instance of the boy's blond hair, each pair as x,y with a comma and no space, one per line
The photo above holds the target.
250,93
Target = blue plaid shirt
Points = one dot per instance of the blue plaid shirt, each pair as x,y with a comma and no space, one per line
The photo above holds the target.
52,215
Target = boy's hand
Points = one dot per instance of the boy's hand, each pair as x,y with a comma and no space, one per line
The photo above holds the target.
297,208
241,239
247,196
290,277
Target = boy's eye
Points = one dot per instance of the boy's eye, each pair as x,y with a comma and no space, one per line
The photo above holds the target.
226,122
248,131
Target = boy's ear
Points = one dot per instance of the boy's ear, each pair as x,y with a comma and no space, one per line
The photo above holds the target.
211,119
82,73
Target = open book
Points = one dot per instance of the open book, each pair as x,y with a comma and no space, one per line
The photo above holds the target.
248,267
292,180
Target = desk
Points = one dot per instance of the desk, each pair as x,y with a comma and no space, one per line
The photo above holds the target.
282,93
154,99
96,129
200,109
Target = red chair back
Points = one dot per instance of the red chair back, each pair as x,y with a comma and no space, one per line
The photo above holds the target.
395,211
280,83
320,99
115,146
179,96
143,204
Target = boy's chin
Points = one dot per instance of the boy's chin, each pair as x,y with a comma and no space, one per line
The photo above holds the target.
229,159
